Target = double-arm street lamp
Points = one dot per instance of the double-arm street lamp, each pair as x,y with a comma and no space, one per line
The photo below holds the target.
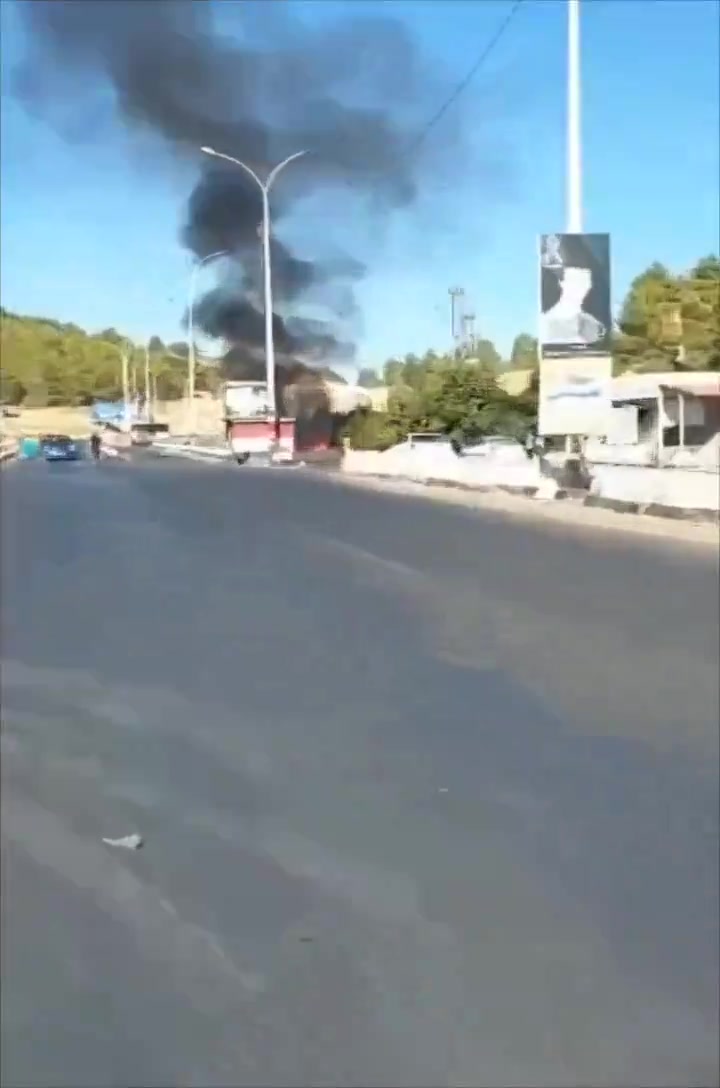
264,187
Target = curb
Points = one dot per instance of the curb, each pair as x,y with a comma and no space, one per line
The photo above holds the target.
571,495
221,453
460,485
620,506
655,510
454,485
201,453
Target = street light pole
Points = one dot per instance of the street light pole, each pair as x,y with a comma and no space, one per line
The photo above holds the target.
265,187
456,294
270,374
191,334
125,381
574,145
148,415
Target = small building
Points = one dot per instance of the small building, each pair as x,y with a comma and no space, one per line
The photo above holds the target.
663,418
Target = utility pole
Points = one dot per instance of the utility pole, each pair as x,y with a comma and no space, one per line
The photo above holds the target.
148,410
125,382
469,330
192,362
456,294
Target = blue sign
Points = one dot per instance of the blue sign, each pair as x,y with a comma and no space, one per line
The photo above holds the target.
113,411
29,449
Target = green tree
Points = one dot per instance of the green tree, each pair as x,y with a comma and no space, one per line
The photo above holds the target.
112,336
486,354
670,322
700,315
707,268
524,352
467,402
414,370
392,371
46,362
643,341
371,431
454,396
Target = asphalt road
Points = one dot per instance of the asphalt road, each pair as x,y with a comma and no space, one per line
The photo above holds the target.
429,797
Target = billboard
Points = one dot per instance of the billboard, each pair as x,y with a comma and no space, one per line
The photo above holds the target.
114,411
575,312
575,395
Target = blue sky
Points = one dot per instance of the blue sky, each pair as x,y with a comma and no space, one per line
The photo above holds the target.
89,232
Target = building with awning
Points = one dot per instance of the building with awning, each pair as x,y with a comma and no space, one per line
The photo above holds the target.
632,387
662,417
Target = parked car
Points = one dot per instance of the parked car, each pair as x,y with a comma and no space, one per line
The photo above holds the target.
144,434
490,444
423,440
59,447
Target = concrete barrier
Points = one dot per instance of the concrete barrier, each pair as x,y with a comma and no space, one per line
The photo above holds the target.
675,491
439,465
691,493
8,449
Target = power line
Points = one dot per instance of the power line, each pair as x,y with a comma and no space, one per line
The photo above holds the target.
465,82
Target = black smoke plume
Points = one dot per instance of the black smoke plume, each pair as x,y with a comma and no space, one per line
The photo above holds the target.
255,81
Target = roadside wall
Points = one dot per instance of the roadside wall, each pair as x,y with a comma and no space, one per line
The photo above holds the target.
425,463
679,488
683,488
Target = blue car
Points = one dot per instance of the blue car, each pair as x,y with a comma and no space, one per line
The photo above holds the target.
59,447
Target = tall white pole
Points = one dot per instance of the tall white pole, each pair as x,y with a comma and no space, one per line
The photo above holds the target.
191,336
574,145
125,382
126,356
267,274
148,416
267,294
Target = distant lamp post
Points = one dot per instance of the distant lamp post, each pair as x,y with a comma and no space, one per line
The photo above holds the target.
456,295
126,350
192,367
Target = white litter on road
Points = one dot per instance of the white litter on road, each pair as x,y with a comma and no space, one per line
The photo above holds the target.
128,842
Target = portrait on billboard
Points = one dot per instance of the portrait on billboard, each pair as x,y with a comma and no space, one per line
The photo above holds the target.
575,315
